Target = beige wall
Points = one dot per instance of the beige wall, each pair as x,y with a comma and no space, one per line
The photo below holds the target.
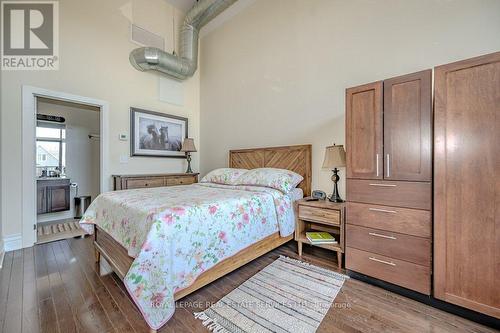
94,48
276,73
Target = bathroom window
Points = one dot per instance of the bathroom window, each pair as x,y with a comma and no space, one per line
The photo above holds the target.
50,148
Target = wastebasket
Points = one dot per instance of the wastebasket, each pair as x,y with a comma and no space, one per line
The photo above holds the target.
81,205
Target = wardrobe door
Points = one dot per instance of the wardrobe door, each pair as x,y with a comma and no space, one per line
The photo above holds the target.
364,131
407,127
467,184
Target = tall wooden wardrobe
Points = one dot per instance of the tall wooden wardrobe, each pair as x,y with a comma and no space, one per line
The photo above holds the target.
467,184
389,180
422,180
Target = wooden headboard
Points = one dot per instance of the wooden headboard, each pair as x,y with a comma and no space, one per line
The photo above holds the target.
293,158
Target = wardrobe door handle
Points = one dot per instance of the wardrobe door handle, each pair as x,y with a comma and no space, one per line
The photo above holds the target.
382,210
388,165
376,162
382,261
382,236
383,185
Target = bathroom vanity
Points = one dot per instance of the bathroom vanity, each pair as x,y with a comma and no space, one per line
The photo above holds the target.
53,194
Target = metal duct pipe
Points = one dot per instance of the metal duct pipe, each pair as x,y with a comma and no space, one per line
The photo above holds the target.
185,64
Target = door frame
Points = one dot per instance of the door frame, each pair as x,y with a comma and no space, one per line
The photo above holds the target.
28,181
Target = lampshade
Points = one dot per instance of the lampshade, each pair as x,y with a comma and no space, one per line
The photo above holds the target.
188,145
334,157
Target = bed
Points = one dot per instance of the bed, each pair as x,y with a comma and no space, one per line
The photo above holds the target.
123,260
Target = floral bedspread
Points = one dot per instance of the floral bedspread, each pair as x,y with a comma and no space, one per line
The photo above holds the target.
176,233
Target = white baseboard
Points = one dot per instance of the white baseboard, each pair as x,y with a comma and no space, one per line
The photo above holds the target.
13,242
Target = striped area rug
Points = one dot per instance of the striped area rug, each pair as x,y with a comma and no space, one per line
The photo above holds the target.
58,230
286,296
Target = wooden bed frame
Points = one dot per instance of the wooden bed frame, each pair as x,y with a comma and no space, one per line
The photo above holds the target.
294,158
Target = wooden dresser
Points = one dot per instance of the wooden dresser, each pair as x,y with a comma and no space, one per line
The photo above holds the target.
389,180
127,182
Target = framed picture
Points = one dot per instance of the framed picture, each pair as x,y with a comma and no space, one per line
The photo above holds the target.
156,134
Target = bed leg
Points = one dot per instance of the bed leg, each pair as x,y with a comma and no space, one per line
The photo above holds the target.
97,256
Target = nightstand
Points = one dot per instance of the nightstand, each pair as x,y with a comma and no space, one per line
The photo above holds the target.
321,215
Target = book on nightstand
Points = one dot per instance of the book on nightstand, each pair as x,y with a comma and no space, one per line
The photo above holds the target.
320,238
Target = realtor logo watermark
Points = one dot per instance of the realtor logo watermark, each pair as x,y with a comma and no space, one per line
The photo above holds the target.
30,35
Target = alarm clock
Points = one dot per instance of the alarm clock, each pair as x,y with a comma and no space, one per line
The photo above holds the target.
320,195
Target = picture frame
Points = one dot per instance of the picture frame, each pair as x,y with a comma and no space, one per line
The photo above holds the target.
156,134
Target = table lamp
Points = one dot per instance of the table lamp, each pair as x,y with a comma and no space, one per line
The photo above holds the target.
188,148
334,158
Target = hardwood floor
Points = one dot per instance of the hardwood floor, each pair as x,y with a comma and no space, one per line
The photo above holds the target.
54,287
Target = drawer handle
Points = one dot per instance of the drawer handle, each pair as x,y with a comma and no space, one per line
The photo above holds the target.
380,235
382,261
383,185
382,210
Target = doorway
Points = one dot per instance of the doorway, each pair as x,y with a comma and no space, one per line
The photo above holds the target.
54,165
67,166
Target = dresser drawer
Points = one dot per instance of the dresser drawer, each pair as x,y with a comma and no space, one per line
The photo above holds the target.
145,182
402,273
180,181
322,215
400,246
414,222
401,194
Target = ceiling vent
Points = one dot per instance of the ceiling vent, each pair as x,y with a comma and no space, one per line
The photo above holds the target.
144,37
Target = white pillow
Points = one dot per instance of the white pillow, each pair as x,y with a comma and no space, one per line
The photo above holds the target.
280,179
226,176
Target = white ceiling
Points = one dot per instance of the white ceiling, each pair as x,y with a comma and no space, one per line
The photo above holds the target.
226,15
229,13
183,5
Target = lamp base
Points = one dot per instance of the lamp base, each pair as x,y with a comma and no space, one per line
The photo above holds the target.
188,158
335,197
